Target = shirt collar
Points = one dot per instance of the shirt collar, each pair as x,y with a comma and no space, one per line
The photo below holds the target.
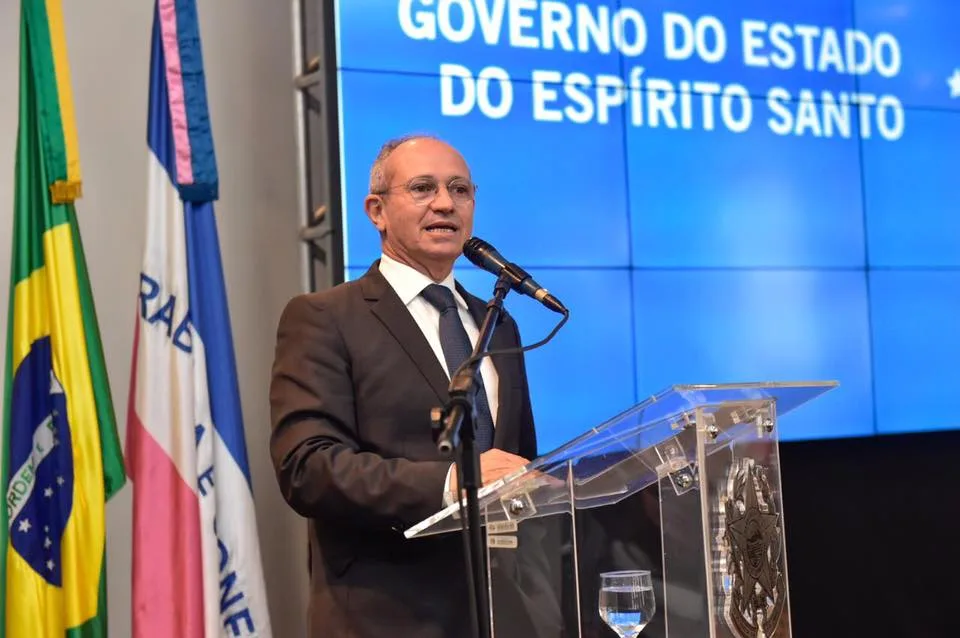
408,283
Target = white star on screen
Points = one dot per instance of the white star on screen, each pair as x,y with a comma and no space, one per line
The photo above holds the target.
25,525
47,542
59,480
48,493
954,82
50,564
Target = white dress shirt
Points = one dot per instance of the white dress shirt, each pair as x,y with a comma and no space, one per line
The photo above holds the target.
408,284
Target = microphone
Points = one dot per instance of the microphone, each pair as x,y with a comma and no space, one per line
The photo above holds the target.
486,256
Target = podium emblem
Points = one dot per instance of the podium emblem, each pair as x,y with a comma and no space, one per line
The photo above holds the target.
751,549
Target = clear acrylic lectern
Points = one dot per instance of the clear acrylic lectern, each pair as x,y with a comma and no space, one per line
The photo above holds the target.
685,486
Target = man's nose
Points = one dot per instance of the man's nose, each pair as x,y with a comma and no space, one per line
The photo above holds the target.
443,202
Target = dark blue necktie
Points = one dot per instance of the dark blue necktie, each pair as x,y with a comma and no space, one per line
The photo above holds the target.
456,348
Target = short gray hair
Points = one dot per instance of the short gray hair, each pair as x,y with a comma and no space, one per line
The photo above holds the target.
378,177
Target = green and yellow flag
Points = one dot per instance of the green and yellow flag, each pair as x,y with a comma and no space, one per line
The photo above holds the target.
61,455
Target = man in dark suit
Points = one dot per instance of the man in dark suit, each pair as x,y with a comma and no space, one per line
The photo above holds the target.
357,370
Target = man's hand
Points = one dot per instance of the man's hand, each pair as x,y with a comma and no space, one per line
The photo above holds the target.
494,465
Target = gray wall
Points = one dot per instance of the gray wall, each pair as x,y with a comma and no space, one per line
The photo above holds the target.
247,51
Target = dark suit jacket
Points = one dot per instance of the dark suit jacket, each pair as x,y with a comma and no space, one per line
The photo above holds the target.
353,383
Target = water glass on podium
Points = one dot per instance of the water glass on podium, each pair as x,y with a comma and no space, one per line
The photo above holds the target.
627,602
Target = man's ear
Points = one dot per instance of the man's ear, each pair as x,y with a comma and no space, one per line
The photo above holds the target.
373,205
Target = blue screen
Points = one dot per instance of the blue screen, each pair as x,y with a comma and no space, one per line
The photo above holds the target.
916,346
912,193
720,192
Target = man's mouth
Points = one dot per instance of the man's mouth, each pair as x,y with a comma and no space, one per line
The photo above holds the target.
441,227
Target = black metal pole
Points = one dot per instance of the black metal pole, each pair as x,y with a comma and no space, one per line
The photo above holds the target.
452,436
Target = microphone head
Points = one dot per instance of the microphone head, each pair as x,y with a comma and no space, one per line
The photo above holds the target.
475,249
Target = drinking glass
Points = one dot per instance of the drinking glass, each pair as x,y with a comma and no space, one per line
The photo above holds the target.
626,601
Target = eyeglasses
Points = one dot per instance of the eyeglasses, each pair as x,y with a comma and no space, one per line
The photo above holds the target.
424,190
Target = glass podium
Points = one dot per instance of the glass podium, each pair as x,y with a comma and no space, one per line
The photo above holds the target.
679,494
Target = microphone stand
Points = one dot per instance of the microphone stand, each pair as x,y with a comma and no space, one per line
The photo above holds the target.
450,434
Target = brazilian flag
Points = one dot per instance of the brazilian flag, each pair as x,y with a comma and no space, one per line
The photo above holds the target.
61,456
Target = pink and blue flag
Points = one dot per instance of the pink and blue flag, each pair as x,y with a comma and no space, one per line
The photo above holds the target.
197,570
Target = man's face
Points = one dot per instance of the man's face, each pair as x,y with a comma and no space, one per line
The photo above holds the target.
418,227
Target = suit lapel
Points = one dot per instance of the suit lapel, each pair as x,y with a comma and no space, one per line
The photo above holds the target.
387,307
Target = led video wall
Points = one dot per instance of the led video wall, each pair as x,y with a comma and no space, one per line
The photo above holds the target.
720,192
